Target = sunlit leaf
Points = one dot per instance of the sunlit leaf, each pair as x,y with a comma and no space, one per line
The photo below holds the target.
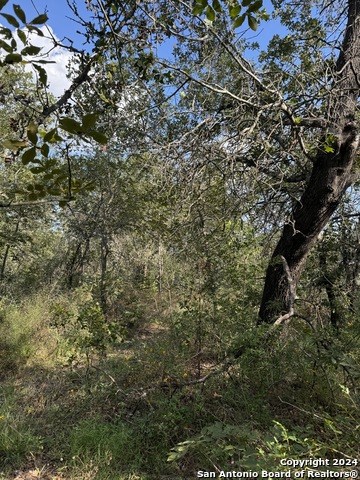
252,23
234,11
49,135
14,144
198,9
103,98
32,133
239,21
210,14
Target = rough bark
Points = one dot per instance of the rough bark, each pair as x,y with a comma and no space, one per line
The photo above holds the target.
332,174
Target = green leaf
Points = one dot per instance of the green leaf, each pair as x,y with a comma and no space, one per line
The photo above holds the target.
31,28
19,12
14,144
103,98
234,11
32,127
198,9
252,23
33,197
32,133
6,32
13,58
42,74
50,163
62,203
31,50
28,156
3,3
12,20
37,170
216,6
89,120
210,14
57,171
240,20
45,150
245,3
50,135
42,194
22,36
40,20
255,7
5,46
53,191
70,125
328,149
98,137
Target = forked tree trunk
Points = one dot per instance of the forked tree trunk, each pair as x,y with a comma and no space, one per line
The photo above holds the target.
331,175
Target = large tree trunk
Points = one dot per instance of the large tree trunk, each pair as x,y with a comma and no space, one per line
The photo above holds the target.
331,175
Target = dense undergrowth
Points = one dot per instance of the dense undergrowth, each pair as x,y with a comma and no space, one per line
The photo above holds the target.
84,397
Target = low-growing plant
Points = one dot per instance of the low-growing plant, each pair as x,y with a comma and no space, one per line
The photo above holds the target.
16,438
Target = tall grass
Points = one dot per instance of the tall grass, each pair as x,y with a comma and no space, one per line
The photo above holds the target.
25,334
